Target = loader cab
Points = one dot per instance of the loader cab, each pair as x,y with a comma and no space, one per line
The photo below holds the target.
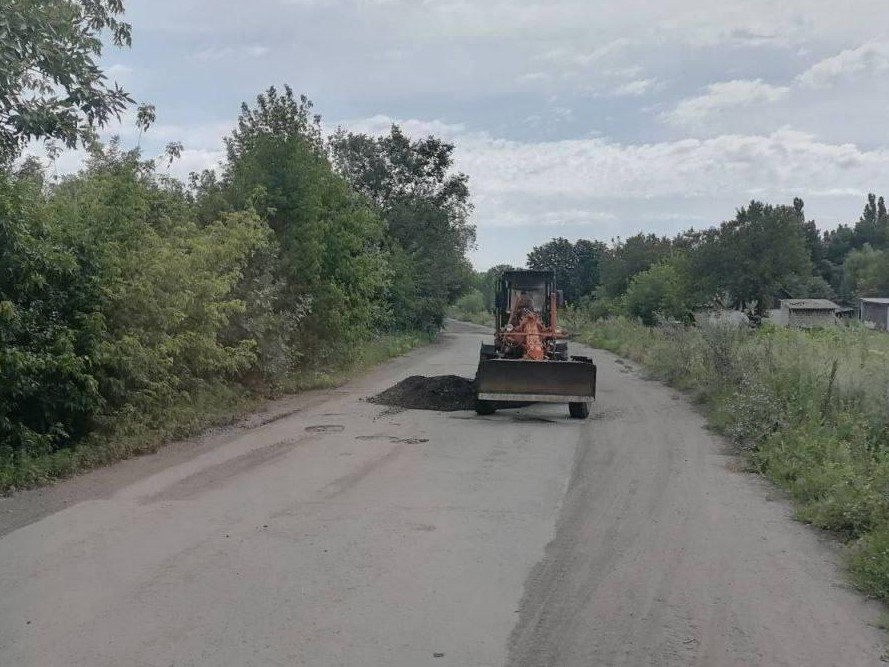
537,285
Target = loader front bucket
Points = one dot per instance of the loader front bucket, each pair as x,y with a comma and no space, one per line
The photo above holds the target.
536,381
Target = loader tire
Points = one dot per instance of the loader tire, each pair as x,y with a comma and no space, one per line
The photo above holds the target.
484,407
579,410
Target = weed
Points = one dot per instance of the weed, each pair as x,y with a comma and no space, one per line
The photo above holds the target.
808,409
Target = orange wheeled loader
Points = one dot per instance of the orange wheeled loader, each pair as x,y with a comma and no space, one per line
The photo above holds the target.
528,361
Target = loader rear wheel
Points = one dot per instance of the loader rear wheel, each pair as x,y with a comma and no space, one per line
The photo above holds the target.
579,410
484,407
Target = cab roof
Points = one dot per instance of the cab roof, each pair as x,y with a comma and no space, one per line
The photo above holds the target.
529,277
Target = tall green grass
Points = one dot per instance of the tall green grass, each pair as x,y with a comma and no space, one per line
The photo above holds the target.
471,308
808,409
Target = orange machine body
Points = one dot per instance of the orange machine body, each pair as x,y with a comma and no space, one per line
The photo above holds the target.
531,335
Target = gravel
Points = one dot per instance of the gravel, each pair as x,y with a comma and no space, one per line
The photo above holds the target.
447,393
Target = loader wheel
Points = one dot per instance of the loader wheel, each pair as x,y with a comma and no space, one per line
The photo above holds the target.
484,407
579,410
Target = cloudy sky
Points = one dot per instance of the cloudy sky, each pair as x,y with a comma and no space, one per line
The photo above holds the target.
584,118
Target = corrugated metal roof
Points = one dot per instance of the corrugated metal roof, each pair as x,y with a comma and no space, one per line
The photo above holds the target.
874,299
809,304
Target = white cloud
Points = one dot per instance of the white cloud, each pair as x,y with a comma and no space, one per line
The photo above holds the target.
118,69
214,53
532,77
586,57
193,160
635,88
506,77
725,95
777,164
869,58
600,189
552,218
380,124
514,182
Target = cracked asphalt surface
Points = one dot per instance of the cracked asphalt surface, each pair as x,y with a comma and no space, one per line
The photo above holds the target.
332,531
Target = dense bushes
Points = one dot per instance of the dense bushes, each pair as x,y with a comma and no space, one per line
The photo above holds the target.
115,303
50,327
129,300
425,207
471,308
809,409
332,261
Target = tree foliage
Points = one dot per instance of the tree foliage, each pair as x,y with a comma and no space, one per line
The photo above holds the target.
332,255
867,272
115,303
124,292
50,327
661,292
624,259
741,263
426,208
576,265
753,255
51,86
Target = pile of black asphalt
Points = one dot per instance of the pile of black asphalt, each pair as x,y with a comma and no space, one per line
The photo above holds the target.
446,393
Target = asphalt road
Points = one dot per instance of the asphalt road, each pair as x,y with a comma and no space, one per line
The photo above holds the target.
332,531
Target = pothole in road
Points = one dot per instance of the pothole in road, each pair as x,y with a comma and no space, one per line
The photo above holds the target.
325,428
445,393
393,439
533,418
605,414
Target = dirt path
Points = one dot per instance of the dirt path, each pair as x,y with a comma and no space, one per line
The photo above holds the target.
343,533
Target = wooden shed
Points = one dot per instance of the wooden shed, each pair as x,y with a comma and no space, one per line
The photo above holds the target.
874,312
807,313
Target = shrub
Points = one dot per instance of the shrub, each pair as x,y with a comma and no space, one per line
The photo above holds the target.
50,328
116,303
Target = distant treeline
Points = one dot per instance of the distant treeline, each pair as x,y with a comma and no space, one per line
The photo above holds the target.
743,263
124,291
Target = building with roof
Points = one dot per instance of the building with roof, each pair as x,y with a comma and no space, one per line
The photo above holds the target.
806,313
874,312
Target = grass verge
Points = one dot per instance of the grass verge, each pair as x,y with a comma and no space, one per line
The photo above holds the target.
807,409
208,406
483,317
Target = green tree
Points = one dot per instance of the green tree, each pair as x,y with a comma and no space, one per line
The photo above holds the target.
332,255
751,256
624,259
115,304
489,281
576,265
50,327
660,292
559,256
50,84
872,227
426,207
587,277
866,272
812,237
